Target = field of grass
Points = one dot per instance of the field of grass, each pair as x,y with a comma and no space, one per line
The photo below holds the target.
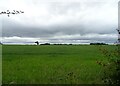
51,64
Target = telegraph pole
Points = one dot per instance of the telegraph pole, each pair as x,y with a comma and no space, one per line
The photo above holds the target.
118,42
118,28
118,23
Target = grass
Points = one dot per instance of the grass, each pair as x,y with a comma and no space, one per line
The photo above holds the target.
51,64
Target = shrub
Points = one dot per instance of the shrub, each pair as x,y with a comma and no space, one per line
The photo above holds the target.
111,66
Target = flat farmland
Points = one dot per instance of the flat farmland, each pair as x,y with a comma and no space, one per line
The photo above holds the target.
51,64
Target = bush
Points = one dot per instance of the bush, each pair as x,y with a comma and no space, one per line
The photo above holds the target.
112,66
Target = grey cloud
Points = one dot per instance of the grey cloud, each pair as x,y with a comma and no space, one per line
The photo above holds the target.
49,34
12,29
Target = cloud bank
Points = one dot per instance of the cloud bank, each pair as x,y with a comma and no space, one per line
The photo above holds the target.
60,21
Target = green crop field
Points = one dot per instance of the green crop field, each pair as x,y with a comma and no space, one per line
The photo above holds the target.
51,64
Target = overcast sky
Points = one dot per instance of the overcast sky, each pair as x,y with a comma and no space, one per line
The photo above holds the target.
57,21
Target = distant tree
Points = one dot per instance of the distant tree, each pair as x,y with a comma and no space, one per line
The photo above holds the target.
47,43
98,44
37,42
